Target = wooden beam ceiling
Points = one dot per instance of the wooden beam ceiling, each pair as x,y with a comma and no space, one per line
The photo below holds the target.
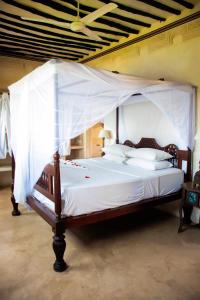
184,3
38,40
136,11
162,6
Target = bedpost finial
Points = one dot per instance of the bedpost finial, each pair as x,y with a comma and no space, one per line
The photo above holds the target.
56,156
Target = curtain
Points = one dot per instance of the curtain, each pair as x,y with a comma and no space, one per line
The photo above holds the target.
4,126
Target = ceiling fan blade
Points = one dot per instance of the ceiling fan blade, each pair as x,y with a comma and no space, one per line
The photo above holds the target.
47,21
98,13
91,34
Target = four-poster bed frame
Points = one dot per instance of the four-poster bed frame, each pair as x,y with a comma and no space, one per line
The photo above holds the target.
49,185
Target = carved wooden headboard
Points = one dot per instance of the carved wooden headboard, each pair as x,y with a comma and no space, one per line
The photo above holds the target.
181,158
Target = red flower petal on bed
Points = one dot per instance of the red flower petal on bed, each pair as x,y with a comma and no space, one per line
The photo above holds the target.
87,177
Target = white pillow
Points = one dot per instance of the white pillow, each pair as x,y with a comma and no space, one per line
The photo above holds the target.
116,149
116,158
149,154
149,164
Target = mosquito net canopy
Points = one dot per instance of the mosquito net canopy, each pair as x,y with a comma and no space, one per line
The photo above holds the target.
4,126
60,100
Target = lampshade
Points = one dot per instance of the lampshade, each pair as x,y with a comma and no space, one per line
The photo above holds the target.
105,134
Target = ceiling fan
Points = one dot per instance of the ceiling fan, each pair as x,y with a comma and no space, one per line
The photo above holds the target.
80,24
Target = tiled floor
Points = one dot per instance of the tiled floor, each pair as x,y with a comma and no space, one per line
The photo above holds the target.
137,257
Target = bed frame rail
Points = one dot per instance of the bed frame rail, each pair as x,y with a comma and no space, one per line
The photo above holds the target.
111,213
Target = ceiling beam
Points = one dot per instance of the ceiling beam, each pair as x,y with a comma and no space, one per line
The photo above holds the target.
63,8
161,6
42,48
70,44
135,11
108,31
66,9
101,30
184,3
24,54
55,34
24,50
21,56
39,42
18,18
45,36
69,11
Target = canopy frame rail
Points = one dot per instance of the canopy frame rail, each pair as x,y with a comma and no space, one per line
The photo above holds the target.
49,185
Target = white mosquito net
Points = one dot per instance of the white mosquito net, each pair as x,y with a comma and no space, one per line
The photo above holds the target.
60,100
4,125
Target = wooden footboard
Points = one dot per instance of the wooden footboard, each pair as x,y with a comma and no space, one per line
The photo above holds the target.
45,184
49,184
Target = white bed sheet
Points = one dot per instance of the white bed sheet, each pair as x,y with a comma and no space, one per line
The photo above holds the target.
96,184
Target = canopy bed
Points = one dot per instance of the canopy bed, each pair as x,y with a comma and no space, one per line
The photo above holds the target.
57,102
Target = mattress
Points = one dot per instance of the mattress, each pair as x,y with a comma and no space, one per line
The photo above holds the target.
89,185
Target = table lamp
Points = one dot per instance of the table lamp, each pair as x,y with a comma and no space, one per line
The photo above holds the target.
105,134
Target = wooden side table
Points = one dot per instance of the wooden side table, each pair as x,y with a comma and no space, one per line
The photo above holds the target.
190,198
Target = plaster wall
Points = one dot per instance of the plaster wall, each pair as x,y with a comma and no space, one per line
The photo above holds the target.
13,69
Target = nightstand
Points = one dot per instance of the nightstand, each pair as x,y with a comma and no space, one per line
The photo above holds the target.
190,198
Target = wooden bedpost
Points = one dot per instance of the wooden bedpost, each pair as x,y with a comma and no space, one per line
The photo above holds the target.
117,118
59,246
117,125
189,165
57,192
59,243
15,211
